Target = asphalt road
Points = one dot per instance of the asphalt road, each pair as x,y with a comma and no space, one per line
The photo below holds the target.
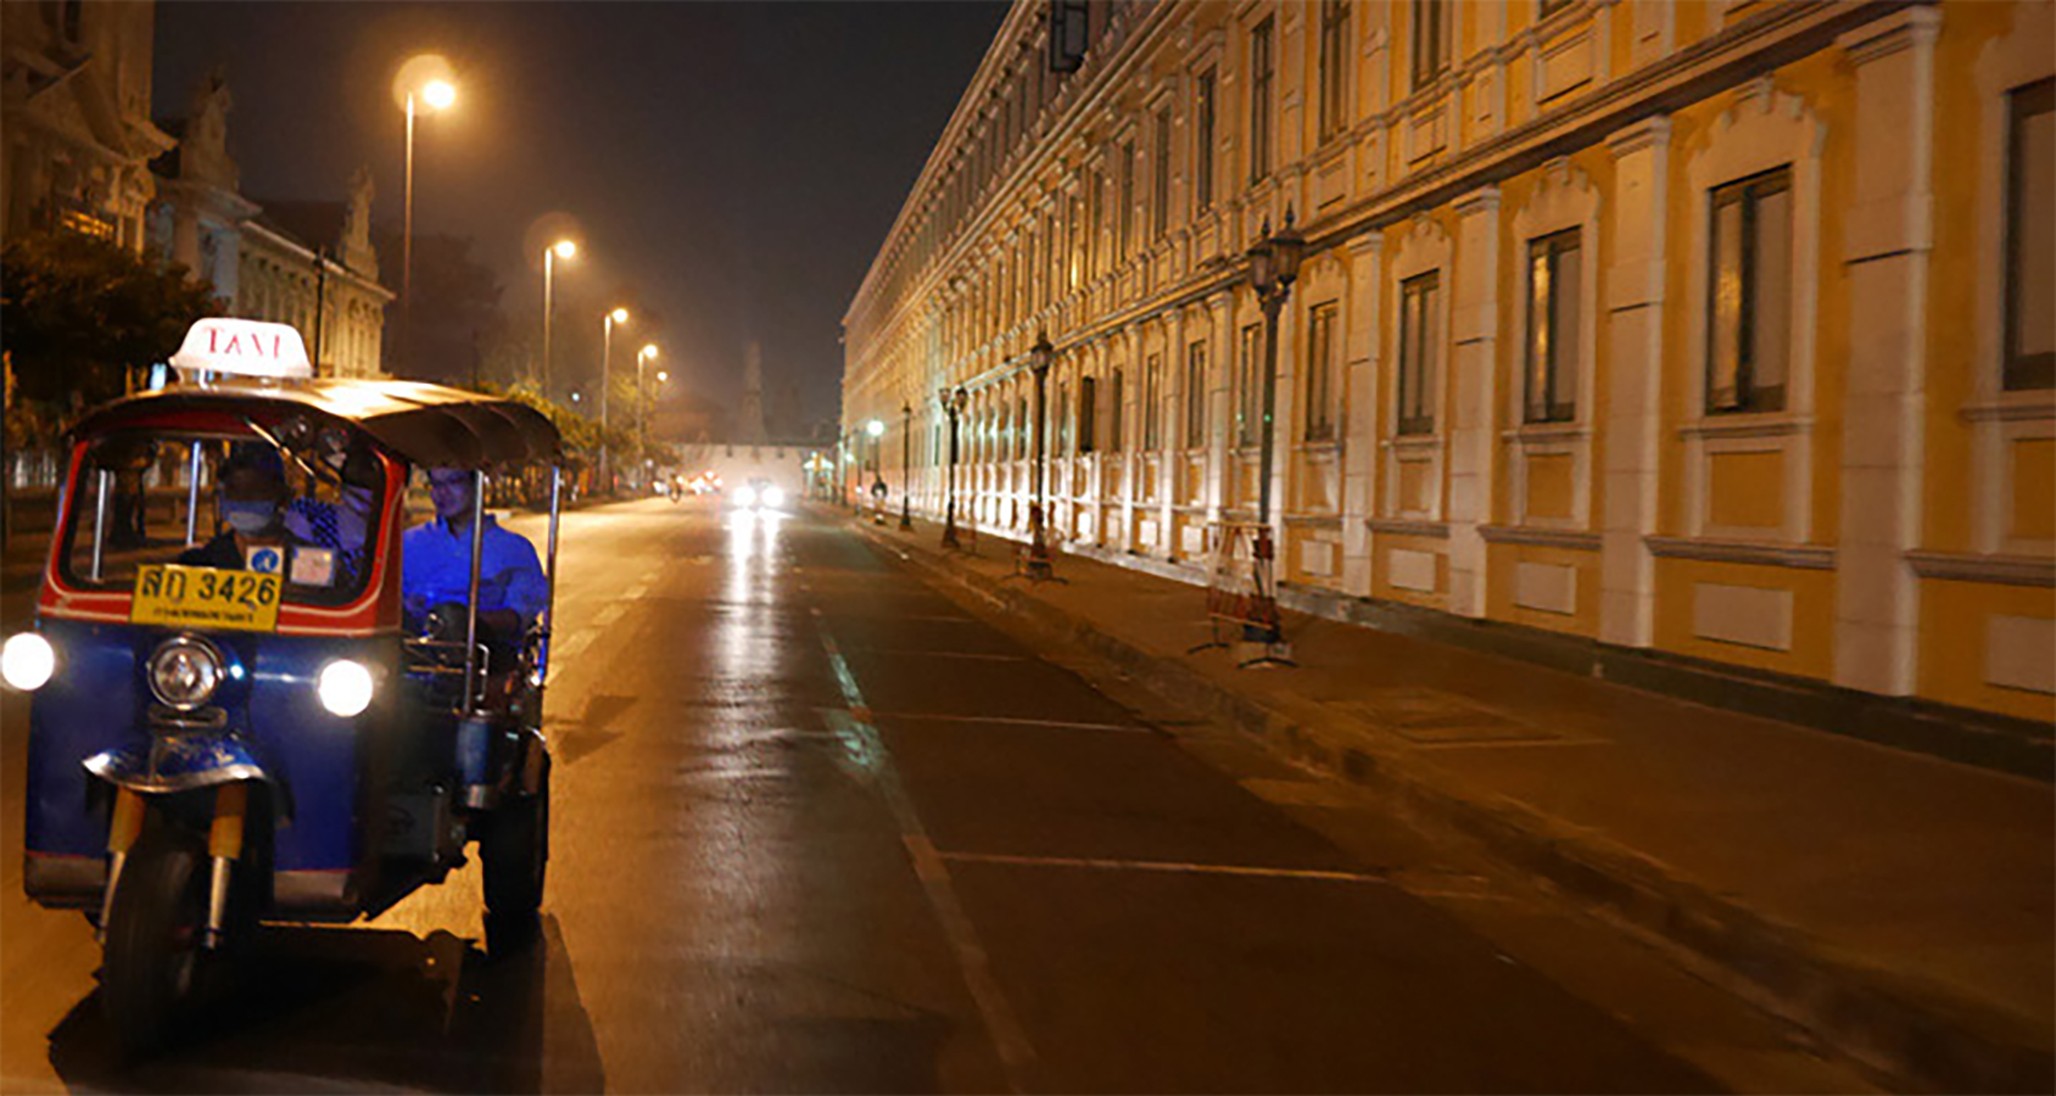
818,827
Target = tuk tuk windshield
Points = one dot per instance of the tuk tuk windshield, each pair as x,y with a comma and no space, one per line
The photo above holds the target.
235,503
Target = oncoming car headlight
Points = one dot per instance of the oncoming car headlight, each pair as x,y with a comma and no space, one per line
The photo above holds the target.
345,687
773,496
184,672
27,661
745,496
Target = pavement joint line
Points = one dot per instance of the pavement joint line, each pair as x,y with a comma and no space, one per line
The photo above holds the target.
1060,724
1009,1040
1173,867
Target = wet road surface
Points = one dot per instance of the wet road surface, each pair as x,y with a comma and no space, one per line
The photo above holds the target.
817,827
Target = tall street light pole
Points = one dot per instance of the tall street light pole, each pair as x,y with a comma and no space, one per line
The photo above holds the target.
907,466
876,430
1038,565
424,89
619,315
642,403
562,249
1273,267
953,401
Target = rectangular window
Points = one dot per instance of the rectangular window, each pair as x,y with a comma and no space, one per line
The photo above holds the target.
2030,225
1320,373
1431,27
1418,307
1334,112
1749,294
1553,317
1125,216
1063,445
1195,395
1160,167
1095,197
1024,429
1262,74
1152,402
1249,391
1116,413
1071,250
1088,413
1203,143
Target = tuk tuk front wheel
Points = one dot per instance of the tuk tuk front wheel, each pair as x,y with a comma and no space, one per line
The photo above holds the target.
514,851
154,930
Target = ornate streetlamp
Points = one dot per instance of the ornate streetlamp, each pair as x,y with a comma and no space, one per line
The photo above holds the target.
1273,267
953,400
1038,565
907,466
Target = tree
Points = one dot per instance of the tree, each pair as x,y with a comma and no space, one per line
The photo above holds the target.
78,313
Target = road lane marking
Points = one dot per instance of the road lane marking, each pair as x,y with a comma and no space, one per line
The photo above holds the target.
1169,866
866,749
1055,724
944,654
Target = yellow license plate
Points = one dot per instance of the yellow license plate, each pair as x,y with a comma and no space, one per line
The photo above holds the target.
205,597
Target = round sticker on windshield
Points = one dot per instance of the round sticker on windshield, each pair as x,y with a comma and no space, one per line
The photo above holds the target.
263,559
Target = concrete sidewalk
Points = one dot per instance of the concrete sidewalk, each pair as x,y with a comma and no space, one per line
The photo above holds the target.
1899,906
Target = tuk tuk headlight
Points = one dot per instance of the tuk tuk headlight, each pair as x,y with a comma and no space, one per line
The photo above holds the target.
27,660
184,672
345,687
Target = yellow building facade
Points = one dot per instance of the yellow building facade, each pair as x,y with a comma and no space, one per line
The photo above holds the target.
1718,330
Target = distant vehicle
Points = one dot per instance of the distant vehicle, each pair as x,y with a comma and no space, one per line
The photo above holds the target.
759,494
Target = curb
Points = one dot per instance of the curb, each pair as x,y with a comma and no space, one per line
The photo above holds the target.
1917,1033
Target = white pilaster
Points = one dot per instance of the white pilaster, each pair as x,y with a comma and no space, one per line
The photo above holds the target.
1360,409
1473,424
1634,407
1885,252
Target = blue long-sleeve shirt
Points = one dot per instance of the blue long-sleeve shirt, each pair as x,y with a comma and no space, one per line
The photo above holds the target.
436,568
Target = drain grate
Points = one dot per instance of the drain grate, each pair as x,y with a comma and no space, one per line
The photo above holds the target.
1433,717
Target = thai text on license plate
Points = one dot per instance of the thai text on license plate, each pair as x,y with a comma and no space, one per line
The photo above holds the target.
205,597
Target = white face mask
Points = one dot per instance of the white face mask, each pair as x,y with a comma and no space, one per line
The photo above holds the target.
249,518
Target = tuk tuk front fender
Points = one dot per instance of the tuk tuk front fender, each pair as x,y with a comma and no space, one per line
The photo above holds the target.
177,763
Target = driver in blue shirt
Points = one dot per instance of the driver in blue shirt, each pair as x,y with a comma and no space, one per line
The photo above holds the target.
435,570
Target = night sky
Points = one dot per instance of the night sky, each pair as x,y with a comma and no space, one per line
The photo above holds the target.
734,166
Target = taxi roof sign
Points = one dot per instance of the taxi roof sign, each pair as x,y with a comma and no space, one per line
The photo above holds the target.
244,348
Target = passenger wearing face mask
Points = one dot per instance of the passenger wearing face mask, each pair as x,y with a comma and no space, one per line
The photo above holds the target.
252,504
341,527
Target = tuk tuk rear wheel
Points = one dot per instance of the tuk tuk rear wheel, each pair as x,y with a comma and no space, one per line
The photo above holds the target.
514,850
154,931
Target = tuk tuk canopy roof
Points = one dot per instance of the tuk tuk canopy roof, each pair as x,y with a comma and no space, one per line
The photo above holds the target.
426,424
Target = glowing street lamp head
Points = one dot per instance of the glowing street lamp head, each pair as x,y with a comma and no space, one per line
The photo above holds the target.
424,81
649,350
565,249
875,428
619,315
439,94
662,376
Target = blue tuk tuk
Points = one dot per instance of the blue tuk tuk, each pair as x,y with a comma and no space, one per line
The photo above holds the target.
227,730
